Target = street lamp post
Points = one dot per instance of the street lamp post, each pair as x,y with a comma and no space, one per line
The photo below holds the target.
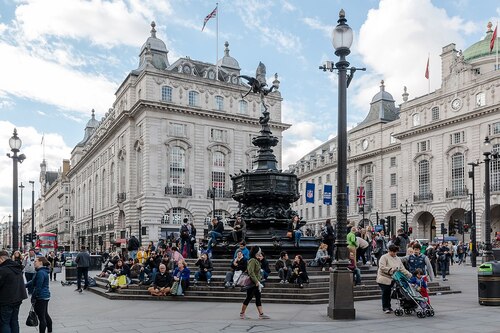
341,300
488,253
406,212
21,228
473,257
32,182
15,144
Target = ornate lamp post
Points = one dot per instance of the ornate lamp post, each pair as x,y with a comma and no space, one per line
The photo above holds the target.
488,253
473,216
15,144
341,303
406,212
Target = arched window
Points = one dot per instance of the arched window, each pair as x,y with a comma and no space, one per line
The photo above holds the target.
424,179
416,119
139,156
219,213
103,189
219,173
112,190
166,94
96,193
177,176
495,170
457,172
91,203
243,107
83,212
193,98
219,103
176,215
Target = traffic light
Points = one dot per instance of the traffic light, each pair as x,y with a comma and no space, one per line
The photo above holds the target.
460,227
383,224
443,229
466,228
33,237
410,230
100,241
453,226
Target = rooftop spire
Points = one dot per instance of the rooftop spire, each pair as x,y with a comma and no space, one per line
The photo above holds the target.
489,25
153,30
226,50
382,86
93,114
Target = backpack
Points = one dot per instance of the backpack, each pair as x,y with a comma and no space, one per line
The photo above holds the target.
184,231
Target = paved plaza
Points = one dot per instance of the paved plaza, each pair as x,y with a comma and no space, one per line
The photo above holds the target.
87,312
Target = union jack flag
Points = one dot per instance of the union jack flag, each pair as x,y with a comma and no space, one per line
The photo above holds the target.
208,17
360,196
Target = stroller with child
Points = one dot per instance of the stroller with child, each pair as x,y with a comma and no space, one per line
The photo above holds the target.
409,298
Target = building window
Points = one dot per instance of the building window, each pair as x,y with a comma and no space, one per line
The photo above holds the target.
166,94
480,99
178,130
328,211
320,194
320,180
424,185
393,161
457,138
393,179
194,98
416,119
494,128
423,146
435,113
177,177
219,103
243,107
495,170
219,173
328,179
367,168
176,215
392,138
218,135
307,213
369,193
457,172
394,201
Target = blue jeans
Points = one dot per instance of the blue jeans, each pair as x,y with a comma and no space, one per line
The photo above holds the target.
9,322
202,276
132,254
298,235
443,266
213,235
357,276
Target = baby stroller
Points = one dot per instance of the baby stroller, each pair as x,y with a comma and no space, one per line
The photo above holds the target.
409,299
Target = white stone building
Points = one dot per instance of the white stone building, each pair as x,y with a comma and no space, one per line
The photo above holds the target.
175,131
419,151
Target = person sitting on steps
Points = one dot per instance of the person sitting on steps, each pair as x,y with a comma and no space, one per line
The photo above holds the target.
217,230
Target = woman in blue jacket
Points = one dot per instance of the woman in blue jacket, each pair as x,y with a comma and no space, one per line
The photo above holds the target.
41,294
181,274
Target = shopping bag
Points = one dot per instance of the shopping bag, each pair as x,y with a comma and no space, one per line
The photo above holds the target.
56,269
175,287
236,276
32,319
244,280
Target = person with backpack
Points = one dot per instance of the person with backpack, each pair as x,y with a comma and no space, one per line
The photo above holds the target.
380,246
417,260
133,246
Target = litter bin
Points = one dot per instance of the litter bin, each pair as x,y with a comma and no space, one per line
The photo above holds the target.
70,271
489,283
95,262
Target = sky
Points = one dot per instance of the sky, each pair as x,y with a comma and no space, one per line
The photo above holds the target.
59,59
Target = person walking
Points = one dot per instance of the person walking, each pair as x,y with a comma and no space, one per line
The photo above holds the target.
443,254
29,267
12,293
41,294
82,269
254,272
389,263
53,260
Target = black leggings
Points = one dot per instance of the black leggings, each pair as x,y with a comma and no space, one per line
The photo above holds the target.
41,310
250,293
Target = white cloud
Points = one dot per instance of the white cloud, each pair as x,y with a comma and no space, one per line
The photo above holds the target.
105,23
316,24
55,151
24,75
399,48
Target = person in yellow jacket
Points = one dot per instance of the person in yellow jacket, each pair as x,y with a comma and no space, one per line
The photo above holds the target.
389,263
142,256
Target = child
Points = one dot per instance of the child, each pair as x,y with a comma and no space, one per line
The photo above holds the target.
419,280
355,270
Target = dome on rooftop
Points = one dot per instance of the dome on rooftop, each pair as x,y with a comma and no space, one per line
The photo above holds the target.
382,95
92,123
481,48
228,61
154,43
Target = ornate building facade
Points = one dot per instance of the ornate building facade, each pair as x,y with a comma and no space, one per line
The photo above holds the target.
166,149
419,151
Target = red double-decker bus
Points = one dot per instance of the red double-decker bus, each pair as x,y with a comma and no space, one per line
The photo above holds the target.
46,241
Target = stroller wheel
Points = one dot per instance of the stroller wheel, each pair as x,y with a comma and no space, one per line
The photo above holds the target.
420,314
428,313
398,312
431,313
408,311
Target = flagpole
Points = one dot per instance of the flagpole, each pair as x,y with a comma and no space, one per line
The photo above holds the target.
429,79
217,42
496,63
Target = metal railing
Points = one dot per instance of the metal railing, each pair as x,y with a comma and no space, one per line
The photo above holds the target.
424,196
220,193
180,191
457,193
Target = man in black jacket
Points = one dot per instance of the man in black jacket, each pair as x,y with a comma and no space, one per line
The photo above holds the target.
402,241
82,269
133,246
12,293
217,230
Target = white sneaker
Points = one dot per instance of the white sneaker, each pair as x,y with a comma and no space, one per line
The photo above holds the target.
282,281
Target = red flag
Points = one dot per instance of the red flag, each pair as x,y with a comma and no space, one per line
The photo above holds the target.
208,17
427,70
493,38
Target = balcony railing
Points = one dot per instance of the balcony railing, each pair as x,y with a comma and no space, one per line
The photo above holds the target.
457,193
424,196
121,197
220,193
179,191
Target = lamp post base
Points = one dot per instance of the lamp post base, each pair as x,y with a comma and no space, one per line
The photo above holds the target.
341,300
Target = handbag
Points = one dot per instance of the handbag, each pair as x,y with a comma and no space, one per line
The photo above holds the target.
289,234
56,269
32,319
244,280
236,276
175,287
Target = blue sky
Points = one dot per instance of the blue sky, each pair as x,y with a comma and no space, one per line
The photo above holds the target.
62,58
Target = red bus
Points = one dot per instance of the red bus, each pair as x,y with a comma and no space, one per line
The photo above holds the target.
46,241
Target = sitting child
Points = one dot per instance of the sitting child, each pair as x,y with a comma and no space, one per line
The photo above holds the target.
356,272
419,280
